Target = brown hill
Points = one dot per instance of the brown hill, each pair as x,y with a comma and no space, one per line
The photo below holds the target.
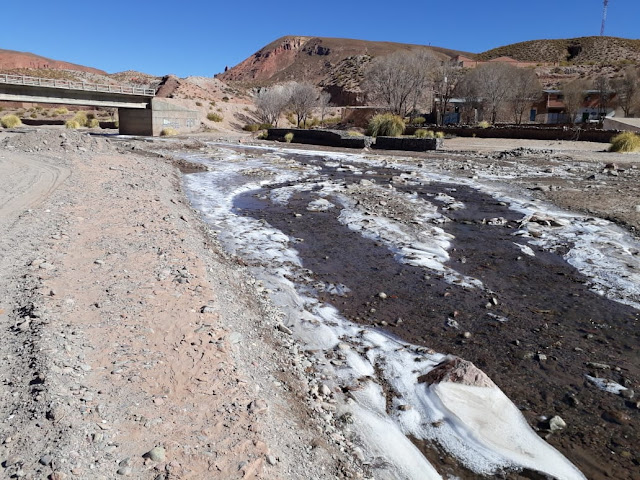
334,63
583,50
312,58
12,60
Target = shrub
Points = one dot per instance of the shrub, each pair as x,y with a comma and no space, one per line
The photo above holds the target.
387,125
418,120
10,121
251,127
72,124
34,115
332,121
214,117
93,123
288,137
422,133
81,118
168,132
263,135
354,133
439,134
625,142
484,124
291,118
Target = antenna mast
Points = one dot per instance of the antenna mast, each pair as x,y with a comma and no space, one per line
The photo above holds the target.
604,17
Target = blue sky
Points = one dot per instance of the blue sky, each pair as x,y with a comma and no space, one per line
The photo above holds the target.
202,37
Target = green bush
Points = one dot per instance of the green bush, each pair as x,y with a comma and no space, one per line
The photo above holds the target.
332,121
263,135
61,111
168,132
354,133
387,125
418,120
93,123
214,117
72,124
422,133
34,115
10,121
439,134
288,137
291,118
484,124
625,142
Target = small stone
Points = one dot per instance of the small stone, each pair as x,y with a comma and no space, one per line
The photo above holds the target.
58,476
541,357
258,406
45,460
284,329
271,460
207,309
12,460
556,424
627,393
99,262
382,295
598,366
325,390
466,335
125,471
157,454
404,408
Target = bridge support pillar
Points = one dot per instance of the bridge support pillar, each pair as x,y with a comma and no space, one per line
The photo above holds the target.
151,121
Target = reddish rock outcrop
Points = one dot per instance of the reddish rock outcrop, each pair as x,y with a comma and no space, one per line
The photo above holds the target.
457,370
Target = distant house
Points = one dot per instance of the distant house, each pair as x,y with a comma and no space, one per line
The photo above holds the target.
551,109
466,62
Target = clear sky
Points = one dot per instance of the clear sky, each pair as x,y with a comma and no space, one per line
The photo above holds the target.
186,37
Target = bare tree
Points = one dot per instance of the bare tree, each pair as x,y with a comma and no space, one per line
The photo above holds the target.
525,91
573,98
324,102
628,91
271,102
602,85
467,90
400,80
302,101
445,77
493,82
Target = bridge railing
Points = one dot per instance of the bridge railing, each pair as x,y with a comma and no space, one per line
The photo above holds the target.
71,85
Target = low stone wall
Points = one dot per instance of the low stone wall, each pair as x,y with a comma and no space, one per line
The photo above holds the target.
408,144
329,138
527,133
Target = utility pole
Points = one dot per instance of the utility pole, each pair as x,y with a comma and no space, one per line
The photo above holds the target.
604,17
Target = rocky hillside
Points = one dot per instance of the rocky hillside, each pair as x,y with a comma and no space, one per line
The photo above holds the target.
584,50
334,63
12,60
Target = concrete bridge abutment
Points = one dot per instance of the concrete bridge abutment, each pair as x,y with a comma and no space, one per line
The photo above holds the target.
161,114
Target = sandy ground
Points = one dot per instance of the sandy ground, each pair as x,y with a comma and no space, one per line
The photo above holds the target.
131,346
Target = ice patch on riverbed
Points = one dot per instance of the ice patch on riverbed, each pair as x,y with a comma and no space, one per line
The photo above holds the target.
455,418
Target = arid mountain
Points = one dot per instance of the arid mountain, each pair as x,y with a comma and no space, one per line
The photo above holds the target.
12,60
584,50
334,63
338,65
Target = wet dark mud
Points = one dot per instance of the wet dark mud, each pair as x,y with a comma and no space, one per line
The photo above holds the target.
534,330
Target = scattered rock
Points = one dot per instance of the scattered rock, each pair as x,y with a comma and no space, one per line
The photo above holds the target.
556,423
157,454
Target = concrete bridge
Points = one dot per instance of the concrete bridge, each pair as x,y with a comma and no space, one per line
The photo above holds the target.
139,111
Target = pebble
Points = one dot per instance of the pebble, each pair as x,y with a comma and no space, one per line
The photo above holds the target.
284,329
325,390
557,423
156,454
45,460
125,471
382,295
271,460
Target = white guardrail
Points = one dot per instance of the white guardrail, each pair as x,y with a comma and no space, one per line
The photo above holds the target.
70,85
